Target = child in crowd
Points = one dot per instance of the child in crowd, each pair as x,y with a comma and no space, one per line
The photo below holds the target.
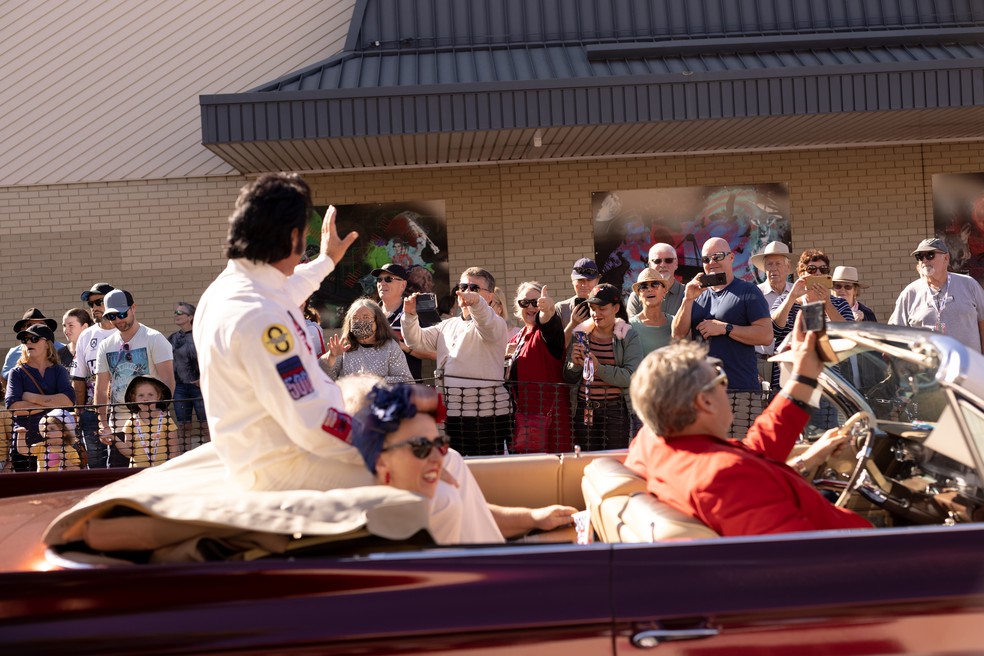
150,436
56,452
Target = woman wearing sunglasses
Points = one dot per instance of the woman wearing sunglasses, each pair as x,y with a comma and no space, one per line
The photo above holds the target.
396,432
535,363
848,286
37,384
813,262
655,327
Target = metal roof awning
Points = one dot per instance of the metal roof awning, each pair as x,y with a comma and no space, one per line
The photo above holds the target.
404,101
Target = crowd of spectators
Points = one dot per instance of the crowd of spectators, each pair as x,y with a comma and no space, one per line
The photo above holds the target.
524,374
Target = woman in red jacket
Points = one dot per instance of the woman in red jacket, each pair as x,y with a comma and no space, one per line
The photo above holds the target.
534,361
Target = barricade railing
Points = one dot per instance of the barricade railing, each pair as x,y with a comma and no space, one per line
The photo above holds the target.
140,437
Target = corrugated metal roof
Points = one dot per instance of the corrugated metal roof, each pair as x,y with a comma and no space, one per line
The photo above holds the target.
428,69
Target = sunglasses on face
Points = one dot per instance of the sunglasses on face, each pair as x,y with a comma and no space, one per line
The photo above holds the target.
179,313
843,286
660,260
113,316
717,257
814,268
643,286
421,447
523,303
96,303
720,379
469,287
34,339
926,256
388,279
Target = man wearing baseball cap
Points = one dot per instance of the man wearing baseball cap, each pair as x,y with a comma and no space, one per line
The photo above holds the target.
944,302
391,285
584,277
83,373
133,350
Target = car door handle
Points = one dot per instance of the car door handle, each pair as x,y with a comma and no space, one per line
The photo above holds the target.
655,637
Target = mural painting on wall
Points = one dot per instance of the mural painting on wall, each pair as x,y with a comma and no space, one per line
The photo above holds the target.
627,223
958,217
412,234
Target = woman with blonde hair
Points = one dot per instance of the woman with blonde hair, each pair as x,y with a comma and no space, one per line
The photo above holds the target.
37,384
366,345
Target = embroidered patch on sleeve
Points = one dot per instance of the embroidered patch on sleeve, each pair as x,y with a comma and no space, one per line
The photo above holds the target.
295,378
277,339
338,424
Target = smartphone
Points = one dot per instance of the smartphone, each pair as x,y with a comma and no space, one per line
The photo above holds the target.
814,317
427,314
578,300
713,279
826,281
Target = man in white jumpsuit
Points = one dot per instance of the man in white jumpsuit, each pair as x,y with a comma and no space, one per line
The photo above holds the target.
276,421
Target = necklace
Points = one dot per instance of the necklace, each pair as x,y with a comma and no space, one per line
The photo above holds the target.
939,301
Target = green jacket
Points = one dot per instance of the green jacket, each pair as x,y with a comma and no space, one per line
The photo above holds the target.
628,356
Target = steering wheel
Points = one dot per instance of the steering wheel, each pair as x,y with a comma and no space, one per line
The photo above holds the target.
859,430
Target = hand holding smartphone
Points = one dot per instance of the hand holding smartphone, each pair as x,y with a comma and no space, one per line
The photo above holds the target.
713,279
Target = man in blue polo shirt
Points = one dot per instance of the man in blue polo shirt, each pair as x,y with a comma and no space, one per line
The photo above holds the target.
733,317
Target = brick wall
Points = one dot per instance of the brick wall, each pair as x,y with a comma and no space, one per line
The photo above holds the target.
866,207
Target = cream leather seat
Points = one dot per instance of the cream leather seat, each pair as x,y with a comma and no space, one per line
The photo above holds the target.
623,511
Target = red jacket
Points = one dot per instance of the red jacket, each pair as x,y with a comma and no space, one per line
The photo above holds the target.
739,488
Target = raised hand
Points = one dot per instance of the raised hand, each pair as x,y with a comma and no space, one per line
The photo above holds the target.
546,304
331,244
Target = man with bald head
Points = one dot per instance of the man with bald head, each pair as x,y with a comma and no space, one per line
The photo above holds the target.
733,317
664,261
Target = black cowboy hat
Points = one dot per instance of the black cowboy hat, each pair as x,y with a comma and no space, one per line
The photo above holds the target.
34,314
131,391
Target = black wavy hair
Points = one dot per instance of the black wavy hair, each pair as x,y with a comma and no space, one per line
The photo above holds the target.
266,213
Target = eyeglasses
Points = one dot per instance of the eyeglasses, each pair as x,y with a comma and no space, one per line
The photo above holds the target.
34,339
720,379
814,268
523,303
717,257
421,447
584,271
660,260
470,287
844,286
387,279
113,316
178,313
96,303
926,256
643,286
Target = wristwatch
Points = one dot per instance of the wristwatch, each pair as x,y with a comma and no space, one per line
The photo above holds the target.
728,328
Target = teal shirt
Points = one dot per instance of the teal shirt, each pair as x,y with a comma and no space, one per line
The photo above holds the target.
653,337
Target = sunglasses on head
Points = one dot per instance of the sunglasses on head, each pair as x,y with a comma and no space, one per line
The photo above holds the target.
720,379
96,303
523,303
113,316
844,286
33,339
643,286
813,268
469,287
926,256
388,279
717,257
660,260
421,447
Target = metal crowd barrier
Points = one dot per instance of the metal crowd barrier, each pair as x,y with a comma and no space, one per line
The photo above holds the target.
136,443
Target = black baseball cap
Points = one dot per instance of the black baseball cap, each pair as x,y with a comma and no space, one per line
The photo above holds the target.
604,295
38,331
392,269
100,288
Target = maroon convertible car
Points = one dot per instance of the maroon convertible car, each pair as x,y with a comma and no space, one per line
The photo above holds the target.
653,579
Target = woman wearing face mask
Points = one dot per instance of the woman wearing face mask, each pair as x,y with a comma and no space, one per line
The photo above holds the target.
366,345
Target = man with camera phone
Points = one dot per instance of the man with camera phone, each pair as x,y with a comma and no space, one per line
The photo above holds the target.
731,315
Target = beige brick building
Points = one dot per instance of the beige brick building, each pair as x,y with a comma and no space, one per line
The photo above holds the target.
111,181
